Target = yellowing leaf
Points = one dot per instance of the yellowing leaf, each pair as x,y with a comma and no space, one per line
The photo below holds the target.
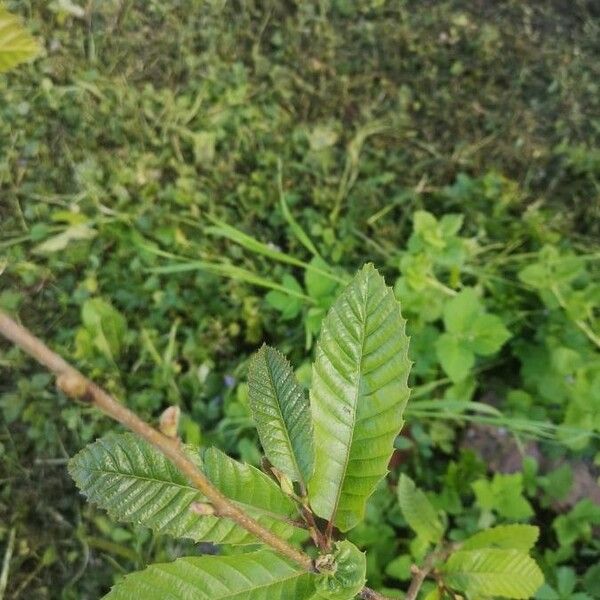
16,44
61,241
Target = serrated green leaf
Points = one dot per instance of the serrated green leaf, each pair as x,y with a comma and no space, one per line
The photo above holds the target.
358,396
260,575
135,483
16,45
493,572
591,580
282,414
517,537
418,511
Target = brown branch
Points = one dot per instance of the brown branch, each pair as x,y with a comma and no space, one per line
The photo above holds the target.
419,576
75,385
421,573
313,528
369,594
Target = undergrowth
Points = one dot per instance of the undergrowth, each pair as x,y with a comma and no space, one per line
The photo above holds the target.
454,144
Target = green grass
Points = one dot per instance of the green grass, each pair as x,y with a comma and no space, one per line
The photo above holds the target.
148,130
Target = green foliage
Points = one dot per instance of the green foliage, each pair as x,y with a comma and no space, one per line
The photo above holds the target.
418,511
518,537
136,483
566,583
282,414
470,331
578,523
493,572
358,394
253,576
503,495
16,45
103,330
120,144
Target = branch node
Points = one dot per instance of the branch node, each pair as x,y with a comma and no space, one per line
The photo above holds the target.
203,509
169,421
73,385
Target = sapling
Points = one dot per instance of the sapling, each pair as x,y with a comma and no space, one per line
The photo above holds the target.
325,453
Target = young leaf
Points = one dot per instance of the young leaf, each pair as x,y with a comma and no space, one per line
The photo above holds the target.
348,576
16,45
517,537
282,414
493,572
504,495
136,483
253,576
418,511
358,395
104,326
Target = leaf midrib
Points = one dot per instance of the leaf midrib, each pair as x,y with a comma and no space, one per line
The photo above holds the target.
285,429
365,299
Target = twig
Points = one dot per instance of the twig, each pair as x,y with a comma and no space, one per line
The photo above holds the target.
421,573
369,594
419,576
315,533
78,387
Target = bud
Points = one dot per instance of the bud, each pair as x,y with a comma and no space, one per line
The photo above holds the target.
285,483
169,421
203,509
72,385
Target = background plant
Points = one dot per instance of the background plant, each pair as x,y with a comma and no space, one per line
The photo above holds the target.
328,454
140,121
